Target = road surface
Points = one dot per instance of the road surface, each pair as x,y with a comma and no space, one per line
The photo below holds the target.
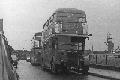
28,72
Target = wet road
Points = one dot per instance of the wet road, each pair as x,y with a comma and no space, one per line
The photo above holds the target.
28,72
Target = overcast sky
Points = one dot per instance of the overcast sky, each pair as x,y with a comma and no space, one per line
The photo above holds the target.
22,18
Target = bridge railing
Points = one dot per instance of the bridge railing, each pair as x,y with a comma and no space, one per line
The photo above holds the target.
7,72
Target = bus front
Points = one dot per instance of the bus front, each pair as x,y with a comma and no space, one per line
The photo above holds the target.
71,32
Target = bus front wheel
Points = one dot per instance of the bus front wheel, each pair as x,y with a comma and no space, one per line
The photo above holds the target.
85,69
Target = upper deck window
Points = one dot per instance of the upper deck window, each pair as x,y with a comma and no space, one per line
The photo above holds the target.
47,23
70,17
51,19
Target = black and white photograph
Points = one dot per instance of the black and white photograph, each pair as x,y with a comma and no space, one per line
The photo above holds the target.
59,40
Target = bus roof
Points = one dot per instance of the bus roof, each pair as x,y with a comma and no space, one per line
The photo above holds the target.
69,10
65,10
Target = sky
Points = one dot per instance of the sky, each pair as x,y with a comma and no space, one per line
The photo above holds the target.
23,18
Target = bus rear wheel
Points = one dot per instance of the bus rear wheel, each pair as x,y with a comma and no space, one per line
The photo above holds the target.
54,68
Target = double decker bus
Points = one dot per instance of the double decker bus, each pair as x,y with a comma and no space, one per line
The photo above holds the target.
64,35
35,54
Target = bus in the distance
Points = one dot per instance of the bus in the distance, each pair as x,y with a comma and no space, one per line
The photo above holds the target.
35,54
